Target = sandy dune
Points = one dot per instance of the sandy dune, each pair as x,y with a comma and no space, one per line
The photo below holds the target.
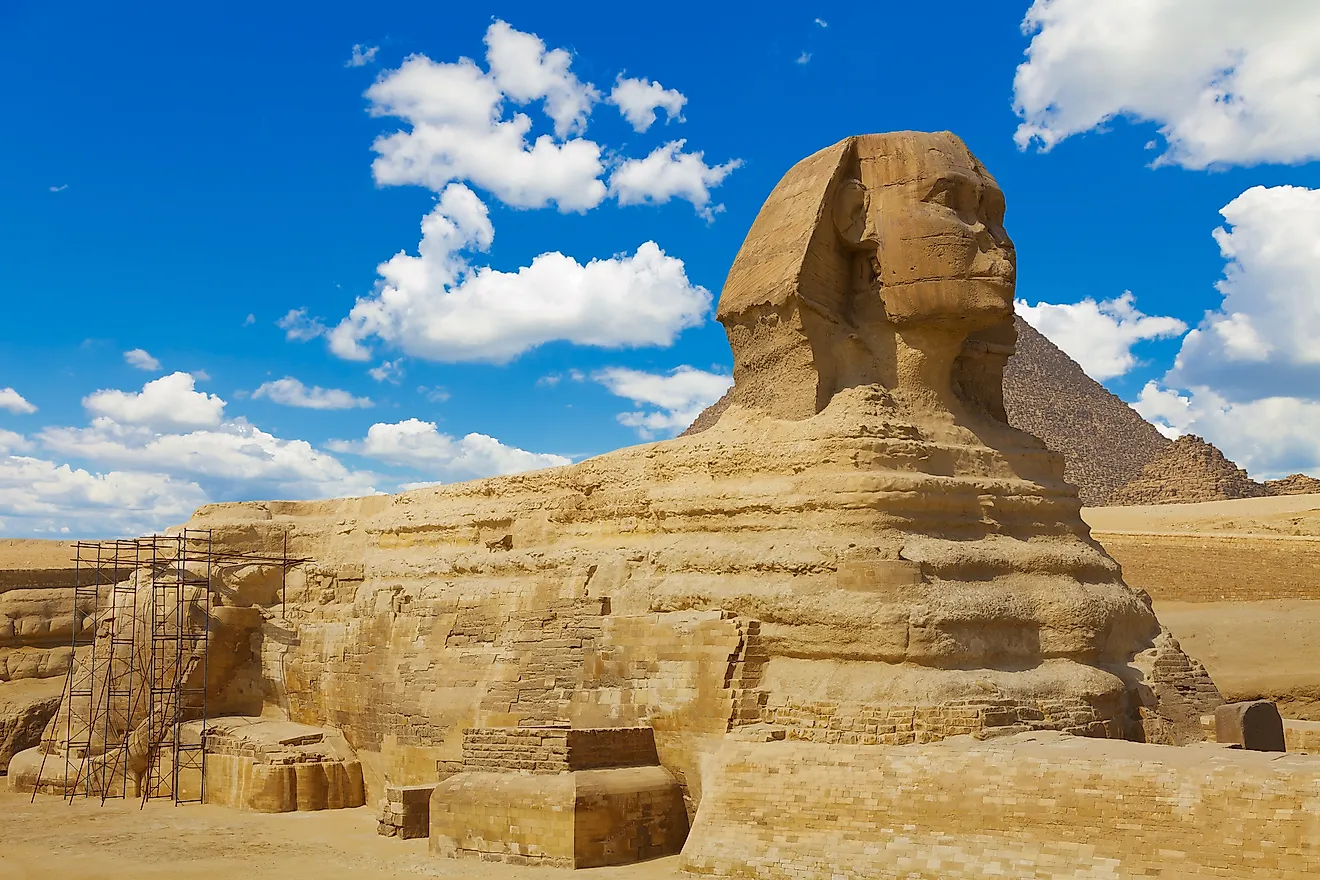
1283,516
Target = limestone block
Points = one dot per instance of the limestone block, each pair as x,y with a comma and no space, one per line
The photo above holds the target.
573,819
273,766
405,811
27,662
1254,725
245,783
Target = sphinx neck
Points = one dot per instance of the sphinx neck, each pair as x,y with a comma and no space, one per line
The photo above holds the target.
924,360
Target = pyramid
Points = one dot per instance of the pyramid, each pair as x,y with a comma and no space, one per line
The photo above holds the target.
1187,471
1103,441
1293,484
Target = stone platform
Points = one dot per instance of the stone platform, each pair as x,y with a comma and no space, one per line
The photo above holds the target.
274,766
1031,805
559,797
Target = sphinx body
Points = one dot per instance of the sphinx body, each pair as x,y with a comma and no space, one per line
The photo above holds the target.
859,549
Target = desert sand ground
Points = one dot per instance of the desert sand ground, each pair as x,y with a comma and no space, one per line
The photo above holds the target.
1277,516
54,840
1237,582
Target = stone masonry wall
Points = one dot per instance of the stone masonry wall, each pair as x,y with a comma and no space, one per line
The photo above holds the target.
557,750
901,725
403,671
1028,806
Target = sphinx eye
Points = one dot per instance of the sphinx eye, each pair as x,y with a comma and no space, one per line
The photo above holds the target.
942,193
954,192
992,205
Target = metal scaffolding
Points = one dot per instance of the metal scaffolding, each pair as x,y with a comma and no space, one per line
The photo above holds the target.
147,603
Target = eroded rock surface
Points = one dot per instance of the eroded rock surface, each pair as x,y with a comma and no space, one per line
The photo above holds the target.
36,638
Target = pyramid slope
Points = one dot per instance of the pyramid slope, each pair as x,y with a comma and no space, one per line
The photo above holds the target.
1103,441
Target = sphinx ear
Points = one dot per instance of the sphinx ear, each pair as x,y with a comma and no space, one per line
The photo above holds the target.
851,212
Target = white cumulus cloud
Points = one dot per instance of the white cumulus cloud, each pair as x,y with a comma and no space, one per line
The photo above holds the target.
434,306
362,55
41,497
1247,378
458,133
672,400
458,130
141,360
1262,338
420,445
526,71
233,458
291,392
168,402
1099,335
298,326
15,402
1226,81
669,173
639,98
387,371
12,441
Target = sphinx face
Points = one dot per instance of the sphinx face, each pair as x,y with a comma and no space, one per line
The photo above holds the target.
944,255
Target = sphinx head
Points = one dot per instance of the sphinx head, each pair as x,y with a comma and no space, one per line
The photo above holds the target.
943,255
871,262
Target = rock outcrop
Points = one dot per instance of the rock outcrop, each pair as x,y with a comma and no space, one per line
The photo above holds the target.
103,713
1187,471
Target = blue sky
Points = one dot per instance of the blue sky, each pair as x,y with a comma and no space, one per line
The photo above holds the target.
177,181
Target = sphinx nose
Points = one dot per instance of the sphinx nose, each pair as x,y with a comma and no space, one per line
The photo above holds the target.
990,238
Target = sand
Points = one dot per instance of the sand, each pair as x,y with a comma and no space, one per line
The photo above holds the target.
1267,650
1264,555
1282,516
87,841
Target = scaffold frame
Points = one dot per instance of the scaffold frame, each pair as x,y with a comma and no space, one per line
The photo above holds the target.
149,672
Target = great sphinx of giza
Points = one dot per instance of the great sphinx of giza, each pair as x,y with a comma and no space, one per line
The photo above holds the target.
859,549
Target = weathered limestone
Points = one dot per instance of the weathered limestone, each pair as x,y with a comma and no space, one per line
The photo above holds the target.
274,766
1253,725
1301,736
36,638
557,796
117,743
1035,805
1175,692
26,707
